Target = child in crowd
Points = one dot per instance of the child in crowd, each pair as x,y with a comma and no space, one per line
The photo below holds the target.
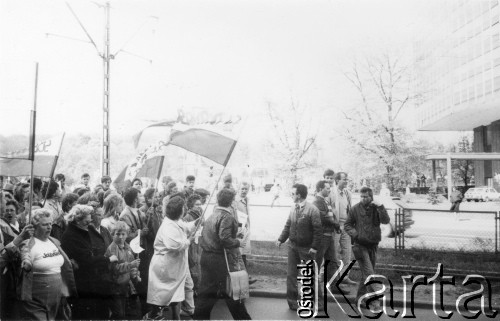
125,274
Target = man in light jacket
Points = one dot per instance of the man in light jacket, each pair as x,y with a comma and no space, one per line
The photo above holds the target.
340,201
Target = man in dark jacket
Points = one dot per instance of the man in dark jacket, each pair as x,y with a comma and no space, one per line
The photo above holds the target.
363,225
328,249
303,228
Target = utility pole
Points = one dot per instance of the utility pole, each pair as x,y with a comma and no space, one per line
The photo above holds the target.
105,156
106,56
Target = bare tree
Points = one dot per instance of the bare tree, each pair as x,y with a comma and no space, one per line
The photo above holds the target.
383,85
294,136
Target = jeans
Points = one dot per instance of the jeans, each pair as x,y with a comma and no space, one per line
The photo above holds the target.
366,257
213,280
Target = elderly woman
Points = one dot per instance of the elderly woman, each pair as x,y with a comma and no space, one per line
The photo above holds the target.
52,191
79,242
113,206
47,272
166,286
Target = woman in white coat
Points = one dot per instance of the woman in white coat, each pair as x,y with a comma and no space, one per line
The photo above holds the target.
169,265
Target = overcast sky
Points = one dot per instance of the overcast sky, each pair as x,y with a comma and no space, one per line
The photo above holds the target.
220,55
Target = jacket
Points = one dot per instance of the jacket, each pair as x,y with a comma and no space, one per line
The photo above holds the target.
304,229
363,224
135,224
120,270
456,196
59,225
327,222
194,252
333,201
67,275
219,231
77,243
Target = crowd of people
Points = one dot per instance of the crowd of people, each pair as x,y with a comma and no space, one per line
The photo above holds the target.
98,254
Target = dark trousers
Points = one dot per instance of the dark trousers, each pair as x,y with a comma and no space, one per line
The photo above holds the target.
90,307
213,281
455,207
367,258
125,307
296,254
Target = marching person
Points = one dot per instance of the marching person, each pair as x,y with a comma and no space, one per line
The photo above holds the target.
303,229
242,206
48,273
124,275
189,187
340,200
53,192
79,242
219,234
166,285
363,226
327,251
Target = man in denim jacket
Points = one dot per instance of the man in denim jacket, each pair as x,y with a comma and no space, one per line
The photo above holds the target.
304,230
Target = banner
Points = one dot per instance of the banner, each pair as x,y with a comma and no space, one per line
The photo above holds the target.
17,163
195,116
147,164
204,141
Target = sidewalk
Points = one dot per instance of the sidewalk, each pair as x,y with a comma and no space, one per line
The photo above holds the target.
275,287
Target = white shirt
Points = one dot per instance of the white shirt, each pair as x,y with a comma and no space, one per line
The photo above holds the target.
46,257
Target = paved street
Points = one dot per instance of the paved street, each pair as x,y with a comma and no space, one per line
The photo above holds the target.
277,309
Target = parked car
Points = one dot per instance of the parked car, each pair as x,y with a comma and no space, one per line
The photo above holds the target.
483,193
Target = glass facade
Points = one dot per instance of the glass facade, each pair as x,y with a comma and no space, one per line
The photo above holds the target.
457,63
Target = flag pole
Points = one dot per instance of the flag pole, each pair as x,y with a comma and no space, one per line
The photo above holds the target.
156,186
220,176
52,171
32,144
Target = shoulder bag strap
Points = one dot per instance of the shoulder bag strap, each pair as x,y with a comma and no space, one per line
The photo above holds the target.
227,264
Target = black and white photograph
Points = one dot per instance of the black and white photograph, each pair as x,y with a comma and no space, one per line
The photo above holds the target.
249,159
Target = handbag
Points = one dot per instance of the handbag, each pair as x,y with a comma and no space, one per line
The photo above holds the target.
237,287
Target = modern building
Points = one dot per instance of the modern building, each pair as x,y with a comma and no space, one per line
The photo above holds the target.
458,78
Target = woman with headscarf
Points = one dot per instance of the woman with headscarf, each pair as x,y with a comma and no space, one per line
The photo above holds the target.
166,286
47,273
77,242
